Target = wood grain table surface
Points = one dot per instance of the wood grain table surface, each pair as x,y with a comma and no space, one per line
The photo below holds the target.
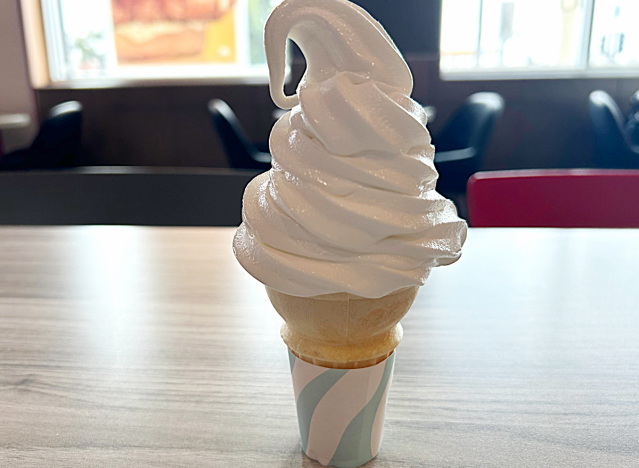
151,347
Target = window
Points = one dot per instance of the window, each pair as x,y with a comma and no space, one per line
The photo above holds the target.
539,38
147,39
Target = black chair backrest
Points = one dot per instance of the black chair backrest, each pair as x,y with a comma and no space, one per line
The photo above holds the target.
472,124
615,150
634,102
57,144
59,140
123,196
240,150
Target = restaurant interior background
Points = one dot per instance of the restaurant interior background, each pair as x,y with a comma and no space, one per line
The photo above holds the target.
543,57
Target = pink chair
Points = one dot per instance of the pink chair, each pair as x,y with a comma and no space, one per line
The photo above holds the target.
555,198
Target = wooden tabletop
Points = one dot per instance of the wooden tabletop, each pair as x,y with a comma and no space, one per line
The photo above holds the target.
149,347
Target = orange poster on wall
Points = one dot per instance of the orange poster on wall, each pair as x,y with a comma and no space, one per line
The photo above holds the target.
174,31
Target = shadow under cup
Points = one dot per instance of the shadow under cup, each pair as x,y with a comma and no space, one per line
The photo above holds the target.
341,411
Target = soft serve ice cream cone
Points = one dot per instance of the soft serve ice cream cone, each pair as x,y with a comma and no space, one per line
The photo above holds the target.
349,208
347,224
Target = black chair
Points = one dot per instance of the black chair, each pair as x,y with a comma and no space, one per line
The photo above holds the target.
58,143
123,196
241,152
459,148
615,149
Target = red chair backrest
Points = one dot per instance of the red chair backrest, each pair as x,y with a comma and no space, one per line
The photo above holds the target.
554,198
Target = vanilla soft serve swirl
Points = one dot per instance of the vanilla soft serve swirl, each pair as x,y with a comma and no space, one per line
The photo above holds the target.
350,203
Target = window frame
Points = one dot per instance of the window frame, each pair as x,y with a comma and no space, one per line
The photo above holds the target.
54,45
582,70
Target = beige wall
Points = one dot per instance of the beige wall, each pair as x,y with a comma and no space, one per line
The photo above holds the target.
16,95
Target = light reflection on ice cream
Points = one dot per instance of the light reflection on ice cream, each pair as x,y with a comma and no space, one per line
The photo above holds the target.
350,203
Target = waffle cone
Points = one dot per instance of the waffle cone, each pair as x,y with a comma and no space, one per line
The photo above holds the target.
342,330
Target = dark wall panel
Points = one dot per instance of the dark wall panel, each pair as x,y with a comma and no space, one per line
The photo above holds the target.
413,24
161,125
546,123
